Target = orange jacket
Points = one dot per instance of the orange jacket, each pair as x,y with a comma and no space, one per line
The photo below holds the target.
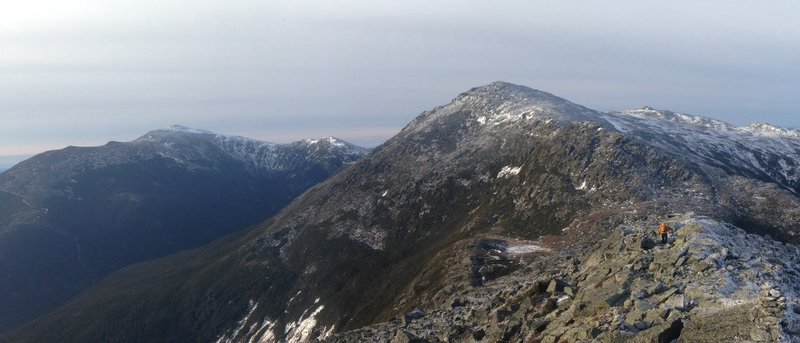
663,229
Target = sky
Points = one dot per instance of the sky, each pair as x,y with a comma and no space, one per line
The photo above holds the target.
85,72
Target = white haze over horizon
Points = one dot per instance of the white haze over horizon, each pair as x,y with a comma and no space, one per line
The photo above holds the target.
85,72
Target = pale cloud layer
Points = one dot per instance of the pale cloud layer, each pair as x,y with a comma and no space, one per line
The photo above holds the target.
85,72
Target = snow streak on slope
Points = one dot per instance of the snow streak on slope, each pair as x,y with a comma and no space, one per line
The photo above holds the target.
508,171
251,331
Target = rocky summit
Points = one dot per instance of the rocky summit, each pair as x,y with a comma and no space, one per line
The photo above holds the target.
508,214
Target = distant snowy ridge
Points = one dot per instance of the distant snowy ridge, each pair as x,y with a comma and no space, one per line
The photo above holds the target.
649,113
192,149
256,154
335,143
765,151
771,130
646,112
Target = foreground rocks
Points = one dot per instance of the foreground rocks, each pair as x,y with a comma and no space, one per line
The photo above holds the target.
711,283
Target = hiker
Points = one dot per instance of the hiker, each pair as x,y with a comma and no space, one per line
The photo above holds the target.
663,230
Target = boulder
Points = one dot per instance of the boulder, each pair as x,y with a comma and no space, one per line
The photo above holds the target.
634,316
680,261
678,302
552,287
656,288
656,316
701,266
666,295
642,325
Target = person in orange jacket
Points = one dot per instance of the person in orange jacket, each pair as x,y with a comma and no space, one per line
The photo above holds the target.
663,230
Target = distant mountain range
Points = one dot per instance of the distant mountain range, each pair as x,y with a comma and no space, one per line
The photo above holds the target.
71,216
507,215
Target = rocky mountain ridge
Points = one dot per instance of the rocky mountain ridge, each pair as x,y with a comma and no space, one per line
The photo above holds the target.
711,283
186,148
415,223
71,216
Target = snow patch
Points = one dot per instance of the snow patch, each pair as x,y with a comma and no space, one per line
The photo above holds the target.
526,249
508,172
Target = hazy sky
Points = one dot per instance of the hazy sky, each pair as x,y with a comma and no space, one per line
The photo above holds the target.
83,72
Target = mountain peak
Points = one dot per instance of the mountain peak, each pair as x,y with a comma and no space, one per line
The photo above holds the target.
506,91
331,142
171,131
330,139
503,102
181,128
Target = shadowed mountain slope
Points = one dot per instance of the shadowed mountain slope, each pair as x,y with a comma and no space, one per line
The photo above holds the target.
71,216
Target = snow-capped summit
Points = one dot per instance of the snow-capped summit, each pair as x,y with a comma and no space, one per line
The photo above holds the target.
171,131
181,128
330,140
506,103
333,144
